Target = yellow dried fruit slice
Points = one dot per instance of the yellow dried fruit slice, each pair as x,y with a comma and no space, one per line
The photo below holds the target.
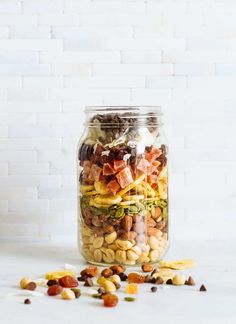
85,188
107,200
90,193
132,185
100,187
54,275
149,191
178,264
92,203
164,273
128,202
152,199
133,197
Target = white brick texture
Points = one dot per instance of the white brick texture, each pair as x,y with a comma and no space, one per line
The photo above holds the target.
57,56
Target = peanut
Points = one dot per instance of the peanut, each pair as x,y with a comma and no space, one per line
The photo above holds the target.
24,282
178,280
153,242
123,245
143,258
98,242
110,238
108,255
97,254
68,294
134,253
115,279
154,255
108,286
120,256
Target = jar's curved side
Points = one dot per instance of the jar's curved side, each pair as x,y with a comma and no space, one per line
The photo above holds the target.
121,214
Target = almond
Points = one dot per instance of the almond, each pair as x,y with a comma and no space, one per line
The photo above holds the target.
127,222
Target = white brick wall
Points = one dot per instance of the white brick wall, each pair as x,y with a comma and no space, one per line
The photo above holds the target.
56,56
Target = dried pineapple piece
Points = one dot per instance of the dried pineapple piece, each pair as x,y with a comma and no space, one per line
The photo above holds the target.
149,191
100,187
107,200
92,203
178,264
54,275
133,197
163,183
90,193
86,188
132,185
126,203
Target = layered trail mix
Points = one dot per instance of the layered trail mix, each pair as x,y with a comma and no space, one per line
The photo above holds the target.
123,191
109,282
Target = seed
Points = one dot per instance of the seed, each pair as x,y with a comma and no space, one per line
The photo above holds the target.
77,292
31,286
159,280
27,301
107,273
147,267
129,299
98,296
190,281
123,276
131,288
202,288
153,289
52,282
88,282
169,282
119,213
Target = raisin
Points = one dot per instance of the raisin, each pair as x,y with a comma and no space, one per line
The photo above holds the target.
52,282
136,278
110,300
85,152
68,282
54,290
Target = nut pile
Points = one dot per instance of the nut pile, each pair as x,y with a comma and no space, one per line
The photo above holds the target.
109,280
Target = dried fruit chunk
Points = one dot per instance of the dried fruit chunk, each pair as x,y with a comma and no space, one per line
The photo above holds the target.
113,186
118,165
177,265
110,300
107,169
124,177
131,288
54,275
68,282
135,278
54,290
90,271
94,173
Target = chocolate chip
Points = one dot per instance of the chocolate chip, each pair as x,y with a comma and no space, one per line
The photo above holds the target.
169,282
202,288
153,289
123,276
51,282
101,291
88,282
27,301
190,281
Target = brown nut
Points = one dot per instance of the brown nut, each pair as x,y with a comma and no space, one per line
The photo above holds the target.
96,221
117,269
108,229
151,223
147,267
152,231
31,286
128,236
159,280
126,223
160,225
156,213
107,273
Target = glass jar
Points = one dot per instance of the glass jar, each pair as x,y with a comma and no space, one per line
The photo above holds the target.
123,186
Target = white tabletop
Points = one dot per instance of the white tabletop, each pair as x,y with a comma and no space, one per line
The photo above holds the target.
216,268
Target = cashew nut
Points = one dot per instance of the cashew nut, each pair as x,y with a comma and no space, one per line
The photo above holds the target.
97,255
110,238
154,255
153,242
108,255
143,258
120,256
123,245
98,242
178,280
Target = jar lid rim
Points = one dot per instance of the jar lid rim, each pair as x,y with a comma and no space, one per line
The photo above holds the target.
140,109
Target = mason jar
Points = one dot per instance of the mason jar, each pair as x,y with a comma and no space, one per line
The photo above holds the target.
123,186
